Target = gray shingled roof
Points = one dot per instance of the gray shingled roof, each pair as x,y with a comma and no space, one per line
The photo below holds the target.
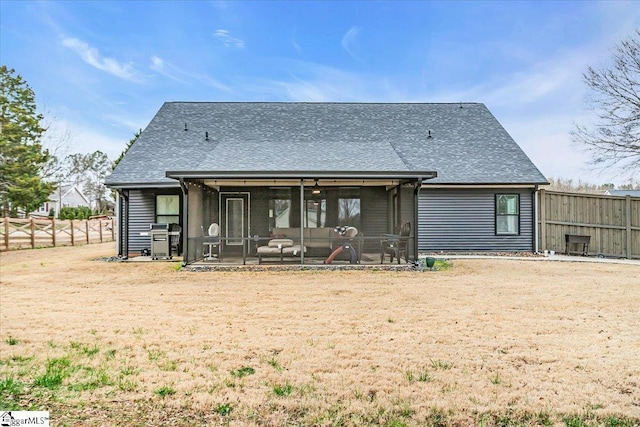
632,193
467,144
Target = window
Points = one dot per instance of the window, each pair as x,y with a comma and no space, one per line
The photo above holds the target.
168,209
349,212
315,213
279,210
507,214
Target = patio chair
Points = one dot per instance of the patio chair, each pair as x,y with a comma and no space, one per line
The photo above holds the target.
396,246
211,240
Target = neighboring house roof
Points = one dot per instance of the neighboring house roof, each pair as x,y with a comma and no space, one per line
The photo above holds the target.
467,144
71,196
632,193
68,191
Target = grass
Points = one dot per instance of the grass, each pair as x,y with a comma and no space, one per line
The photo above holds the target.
496,380
56,370
441,365
223,409
10,391
64,374
282,390
90,351
155,355
12,341
421,375
164,391
439,265
242,372
275,364
129,370
303,348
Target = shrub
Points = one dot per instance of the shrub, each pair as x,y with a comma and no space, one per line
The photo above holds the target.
80,212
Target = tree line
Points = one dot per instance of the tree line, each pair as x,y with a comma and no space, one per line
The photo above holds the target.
579,186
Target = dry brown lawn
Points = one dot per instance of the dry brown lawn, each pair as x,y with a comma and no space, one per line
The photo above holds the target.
485,342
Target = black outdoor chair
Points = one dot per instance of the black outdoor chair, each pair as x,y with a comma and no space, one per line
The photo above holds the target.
396,246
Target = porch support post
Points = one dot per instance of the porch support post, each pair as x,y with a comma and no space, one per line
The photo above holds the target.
416,193
123,224
185,223
302,209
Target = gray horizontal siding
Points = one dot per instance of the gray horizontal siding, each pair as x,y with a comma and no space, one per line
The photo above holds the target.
464,220
141,213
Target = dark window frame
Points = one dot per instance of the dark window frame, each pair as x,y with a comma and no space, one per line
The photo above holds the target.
178,215
498,214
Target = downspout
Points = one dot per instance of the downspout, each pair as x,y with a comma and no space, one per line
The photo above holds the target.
536,226
302,209
119,202
416,192
185,223
123,226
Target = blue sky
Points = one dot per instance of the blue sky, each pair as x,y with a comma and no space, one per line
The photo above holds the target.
101,70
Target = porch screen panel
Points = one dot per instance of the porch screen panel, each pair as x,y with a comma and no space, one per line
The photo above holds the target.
235,221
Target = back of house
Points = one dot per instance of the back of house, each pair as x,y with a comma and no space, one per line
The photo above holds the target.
449,170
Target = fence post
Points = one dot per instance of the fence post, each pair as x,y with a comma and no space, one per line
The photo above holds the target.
86,227
543,220
53,231
33,234
113,230
627,201
6,233
100,228
73,243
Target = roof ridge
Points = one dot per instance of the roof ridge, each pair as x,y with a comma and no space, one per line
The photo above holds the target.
325,103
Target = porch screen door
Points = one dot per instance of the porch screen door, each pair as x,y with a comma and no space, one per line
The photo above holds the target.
234,220
235,225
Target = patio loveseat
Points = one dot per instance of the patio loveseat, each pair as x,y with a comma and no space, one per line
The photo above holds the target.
321,237
286,242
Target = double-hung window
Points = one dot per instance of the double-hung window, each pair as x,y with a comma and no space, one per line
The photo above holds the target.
507,214
168,209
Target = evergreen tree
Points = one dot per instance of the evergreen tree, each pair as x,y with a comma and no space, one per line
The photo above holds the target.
22,157
129,144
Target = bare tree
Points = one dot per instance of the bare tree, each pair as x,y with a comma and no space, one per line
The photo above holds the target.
348,211
57,140
89,171
614,138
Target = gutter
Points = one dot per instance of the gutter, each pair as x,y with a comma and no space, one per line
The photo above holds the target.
247,175
485,185
138,185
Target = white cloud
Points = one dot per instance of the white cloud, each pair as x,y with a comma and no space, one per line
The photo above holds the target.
158,65
67,138
296,46
227,40
349,39
320,83
126,121
92,56
178,74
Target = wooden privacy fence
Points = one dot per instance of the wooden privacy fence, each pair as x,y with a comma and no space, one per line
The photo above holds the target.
36,233
613,222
